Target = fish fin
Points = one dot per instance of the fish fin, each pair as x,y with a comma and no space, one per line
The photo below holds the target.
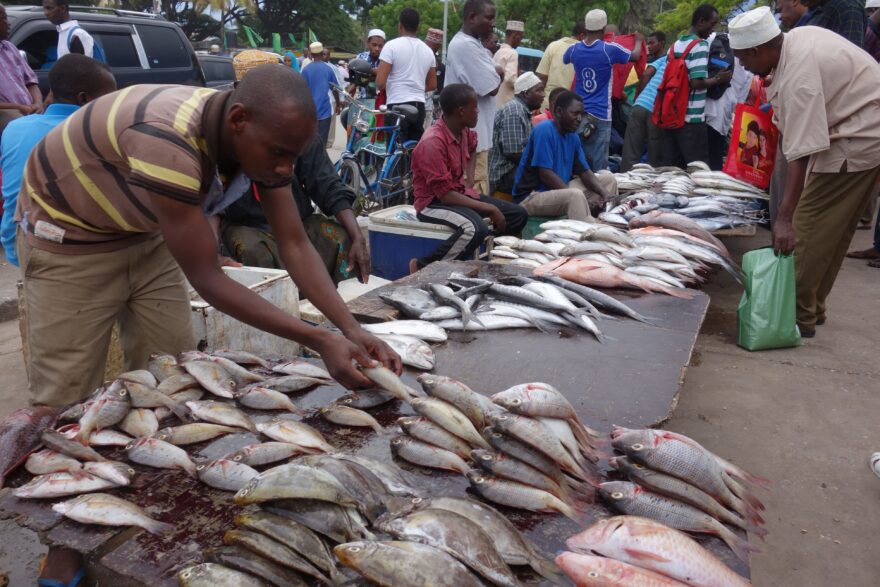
644,555
158,528
742,493
741,474
758,531
547,569
740,547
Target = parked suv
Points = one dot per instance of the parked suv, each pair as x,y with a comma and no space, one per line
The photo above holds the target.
140,48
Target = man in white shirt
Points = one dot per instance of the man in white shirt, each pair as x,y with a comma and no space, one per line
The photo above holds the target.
72,38
407,69
469,62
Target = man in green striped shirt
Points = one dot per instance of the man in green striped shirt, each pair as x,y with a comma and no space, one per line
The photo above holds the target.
690,142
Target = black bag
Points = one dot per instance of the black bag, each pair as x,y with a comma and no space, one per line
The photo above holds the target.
720,59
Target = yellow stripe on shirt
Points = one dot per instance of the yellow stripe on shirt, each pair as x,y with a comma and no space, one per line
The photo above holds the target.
56,215
89,185
166,175
111,119
185,113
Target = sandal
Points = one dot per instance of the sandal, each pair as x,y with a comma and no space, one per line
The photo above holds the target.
871,253
77,578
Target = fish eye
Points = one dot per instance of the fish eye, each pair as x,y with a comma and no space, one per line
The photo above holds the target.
502,417
515,402
199,467
347,401
354,549
396,441
616,495
162,437
236,458
479,480
593,574
130,445
186,574
486,457
637,466
637,446
130,471
122,392
417,500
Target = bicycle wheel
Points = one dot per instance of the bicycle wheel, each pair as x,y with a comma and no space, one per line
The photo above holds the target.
395,187
350,174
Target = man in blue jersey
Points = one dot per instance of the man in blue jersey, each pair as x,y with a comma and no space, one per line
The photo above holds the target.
322,79
593,60
74,81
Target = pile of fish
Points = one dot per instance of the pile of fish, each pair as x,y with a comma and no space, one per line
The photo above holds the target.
635,551
410,339
712,199
546,302
526,448
661,253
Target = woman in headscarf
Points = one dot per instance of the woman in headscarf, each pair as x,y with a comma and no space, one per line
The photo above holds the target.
290,60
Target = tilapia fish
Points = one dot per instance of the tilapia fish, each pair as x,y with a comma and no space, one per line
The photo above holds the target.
653,546
20,434
215,575
141,376
595,571
107,510
455,535
225,474
405,564
293,481
632,499
61,485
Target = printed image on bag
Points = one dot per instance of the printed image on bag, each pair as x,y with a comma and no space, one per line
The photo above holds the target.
753,144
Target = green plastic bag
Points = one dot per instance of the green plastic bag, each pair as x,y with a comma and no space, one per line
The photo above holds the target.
767,314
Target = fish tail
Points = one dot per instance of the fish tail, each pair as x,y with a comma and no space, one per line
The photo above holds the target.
156,527
745,510
547,569
569,512
741,492
179,410
757,531
336,577
740,547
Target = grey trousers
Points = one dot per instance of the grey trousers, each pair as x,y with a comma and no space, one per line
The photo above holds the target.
639,131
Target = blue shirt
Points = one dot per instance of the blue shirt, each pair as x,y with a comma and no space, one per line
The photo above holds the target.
649,93
593,66
19,139
319,76
547,148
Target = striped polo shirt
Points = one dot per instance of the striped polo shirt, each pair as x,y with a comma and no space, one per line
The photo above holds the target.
697,62
89,185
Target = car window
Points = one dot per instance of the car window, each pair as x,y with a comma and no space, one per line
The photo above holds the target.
40,48
218,70
118,49
164,47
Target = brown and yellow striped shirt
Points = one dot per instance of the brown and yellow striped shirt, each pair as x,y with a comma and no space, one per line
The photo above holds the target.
88,186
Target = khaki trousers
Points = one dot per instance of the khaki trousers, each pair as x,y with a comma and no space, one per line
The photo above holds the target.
824,223
573,202
481,173
72,301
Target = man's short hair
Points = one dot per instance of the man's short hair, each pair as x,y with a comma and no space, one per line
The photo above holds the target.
579,28
455,96
65,3
703,12
472,6
659,35
554,94
409,20
75,73
267,88
565,98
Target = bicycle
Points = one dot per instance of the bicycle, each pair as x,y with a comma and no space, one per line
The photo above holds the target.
377,171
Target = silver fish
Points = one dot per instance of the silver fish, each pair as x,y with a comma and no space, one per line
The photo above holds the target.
241,375
215,575
147,397
119,473
418,328
446,296
193,433
365,398
263,398
456,393
141,376
160,454
140,422
297,433
241,357
225,474
347,416
429,432
47,461
177,383
411,301
293,481
303,369
220,413
162,366
291,383
61,485
265,453
427,455
274,551
387,380
413,351
59,443
107,510
107,410
405,564
517,495
212,377
450,418
336,522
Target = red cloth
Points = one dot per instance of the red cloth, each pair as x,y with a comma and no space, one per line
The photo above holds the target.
545,115
621,72
439,164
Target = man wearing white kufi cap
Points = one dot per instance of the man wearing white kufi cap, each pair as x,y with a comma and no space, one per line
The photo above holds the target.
826,103
508,59
511,130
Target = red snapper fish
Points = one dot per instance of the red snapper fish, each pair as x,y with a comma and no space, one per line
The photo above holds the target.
20,436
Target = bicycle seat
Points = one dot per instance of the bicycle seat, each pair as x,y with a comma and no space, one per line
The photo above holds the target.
410,116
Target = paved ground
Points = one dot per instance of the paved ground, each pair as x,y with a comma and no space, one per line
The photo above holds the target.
805,418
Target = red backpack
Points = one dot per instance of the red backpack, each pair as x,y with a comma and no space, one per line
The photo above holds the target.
671,103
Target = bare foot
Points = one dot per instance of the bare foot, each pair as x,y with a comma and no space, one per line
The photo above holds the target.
871,253
413,266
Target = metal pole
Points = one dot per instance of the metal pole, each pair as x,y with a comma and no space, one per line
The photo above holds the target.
445,24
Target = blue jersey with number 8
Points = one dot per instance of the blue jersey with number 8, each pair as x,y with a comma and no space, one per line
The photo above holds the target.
593,65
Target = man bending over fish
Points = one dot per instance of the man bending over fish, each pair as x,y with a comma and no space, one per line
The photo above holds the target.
115,202
443,178
553,177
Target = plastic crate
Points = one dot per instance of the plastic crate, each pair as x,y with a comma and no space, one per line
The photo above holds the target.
533,226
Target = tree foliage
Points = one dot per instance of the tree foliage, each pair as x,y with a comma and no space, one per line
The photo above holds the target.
678,20
385,16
